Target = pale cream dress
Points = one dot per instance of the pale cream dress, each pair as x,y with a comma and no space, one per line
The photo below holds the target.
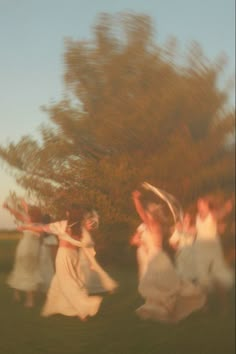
46,262
211,267
96,280
185,256
26,275
67,294
168,298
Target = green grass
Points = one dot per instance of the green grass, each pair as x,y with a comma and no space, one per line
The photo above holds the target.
115,330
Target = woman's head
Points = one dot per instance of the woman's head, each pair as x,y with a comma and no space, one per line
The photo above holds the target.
46,219
203,205
75,218
80,216
90,219
34,214
161,215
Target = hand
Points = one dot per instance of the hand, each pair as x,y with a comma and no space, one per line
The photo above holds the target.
228,206
135,240
136,194
5,205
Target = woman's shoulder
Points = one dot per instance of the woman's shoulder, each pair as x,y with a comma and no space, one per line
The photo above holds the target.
58,227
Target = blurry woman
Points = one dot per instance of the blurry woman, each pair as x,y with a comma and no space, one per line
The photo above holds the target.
68,294
167,297
182,241
25,275
138,240
48,249
212,270
95,278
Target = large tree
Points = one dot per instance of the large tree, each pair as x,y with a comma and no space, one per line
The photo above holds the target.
133,111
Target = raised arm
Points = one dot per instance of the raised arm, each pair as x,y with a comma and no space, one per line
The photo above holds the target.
24,205
138,206
19,216
222,212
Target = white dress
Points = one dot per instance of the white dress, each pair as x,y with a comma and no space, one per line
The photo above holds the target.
46,263
185,255
26,275
211,268
96,280
67,294
144,250
168,298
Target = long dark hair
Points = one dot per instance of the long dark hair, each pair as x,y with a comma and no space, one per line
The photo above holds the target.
75,219
35,214
46,219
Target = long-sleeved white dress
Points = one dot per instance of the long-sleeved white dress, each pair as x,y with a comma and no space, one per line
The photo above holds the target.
25,275
67,294
168,297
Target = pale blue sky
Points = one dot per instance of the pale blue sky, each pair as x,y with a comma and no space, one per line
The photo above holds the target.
32,34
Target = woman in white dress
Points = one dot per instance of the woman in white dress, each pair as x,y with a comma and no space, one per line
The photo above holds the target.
211,268
139,240
182,241
68,294
49,245
167,297
25,276
96,280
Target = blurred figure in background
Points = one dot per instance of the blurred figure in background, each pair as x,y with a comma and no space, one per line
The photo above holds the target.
138,240
182,241
167,297
95,278
48,249
25,276
212,271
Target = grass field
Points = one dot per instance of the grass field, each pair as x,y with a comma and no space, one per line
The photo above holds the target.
115,330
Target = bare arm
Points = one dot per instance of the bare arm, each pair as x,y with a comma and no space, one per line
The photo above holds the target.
46,228
39,228
139,208
221,213
19,216
25,206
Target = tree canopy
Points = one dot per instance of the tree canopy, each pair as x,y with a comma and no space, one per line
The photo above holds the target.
133,111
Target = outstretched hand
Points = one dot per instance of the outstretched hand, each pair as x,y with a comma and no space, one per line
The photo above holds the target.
136,194
228,206
5,205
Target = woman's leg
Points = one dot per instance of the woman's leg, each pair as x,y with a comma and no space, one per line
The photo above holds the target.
29,299
16,295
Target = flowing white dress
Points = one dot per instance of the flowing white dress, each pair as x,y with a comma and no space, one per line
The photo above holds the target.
96,280
185,255
67,294
211,268
142,253
168,298
25,275
46,263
